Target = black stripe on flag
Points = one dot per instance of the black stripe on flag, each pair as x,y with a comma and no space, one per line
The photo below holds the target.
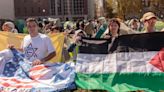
139,42
94,46
126,43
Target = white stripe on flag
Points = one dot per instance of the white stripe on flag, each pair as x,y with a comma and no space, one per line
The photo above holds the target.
116,62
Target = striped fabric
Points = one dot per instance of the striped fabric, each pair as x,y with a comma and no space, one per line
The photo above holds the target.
41,78
134,62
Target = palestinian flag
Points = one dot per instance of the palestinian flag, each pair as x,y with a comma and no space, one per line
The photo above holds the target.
134,62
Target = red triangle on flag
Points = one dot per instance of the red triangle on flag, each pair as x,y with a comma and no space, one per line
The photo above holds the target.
158,60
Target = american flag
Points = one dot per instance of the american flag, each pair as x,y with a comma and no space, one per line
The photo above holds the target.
19,76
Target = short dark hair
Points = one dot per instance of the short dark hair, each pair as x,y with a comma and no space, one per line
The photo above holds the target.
31,20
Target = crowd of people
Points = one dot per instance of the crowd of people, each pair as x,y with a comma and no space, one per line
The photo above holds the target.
98,28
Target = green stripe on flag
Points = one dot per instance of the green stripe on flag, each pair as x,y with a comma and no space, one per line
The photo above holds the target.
121,82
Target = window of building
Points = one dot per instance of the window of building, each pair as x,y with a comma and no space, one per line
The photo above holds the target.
18,10
39,10
78,7
53,7
59,7
25,10
32,10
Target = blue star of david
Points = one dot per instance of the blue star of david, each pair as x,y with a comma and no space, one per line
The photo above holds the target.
30,51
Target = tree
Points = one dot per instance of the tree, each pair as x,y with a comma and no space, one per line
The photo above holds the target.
109,9
125,9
